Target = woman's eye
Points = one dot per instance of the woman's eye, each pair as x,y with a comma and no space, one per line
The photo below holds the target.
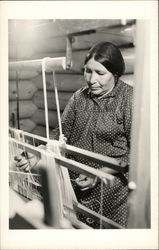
100,73
88,70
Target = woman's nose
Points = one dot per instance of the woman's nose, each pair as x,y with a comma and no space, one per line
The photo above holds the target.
93,78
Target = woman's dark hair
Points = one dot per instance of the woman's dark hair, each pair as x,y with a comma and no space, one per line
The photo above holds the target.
109,56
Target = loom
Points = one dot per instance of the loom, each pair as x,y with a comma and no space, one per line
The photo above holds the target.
53,165
56,164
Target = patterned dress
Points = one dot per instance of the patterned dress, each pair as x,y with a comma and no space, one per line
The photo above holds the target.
101,125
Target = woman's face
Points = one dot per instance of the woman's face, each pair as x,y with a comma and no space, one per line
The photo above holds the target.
98,78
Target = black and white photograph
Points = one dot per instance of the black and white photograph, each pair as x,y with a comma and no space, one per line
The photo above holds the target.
81,128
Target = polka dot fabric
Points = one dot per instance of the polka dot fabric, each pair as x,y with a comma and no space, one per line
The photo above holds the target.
101,125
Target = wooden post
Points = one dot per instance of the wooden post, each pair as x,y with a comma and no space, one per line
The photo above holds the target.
139,178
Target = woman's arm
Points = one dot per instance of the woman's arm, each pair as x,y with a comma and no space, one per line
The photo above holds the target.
127,119
127,110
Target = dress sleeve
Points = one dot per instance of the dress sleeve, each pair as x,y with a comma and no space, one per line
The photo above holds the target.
67,120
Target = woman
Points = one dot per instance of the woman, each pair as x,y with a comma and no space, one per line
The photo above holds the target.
98,118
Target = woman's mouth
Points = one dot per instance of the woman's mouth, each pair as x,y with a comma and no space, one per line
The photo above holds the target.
94,86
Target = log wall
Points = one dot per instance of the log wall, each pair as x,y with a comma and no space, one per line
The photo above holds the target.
30,82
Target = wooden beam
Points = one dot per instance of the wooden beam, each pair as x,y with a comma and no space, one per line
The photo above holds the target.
84,169
36,65
106,223
139,175
98,158
94,157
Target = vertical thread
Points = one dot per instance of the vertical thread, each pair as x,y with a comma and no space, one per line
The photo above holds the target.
57,105
101,204
45,98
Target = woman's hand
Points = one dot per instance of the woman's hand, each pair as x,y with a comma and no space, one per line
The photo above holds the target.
25,161
85,182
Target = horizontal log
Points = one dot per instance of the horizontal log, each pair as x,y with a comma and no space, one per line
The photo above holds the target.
26,90
129,58
26,109
129,79
64,97
44,45
122,35
25,125
65,82
62,27
40,130
121,31
39,118
70,82
78,58
25,49
22,74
